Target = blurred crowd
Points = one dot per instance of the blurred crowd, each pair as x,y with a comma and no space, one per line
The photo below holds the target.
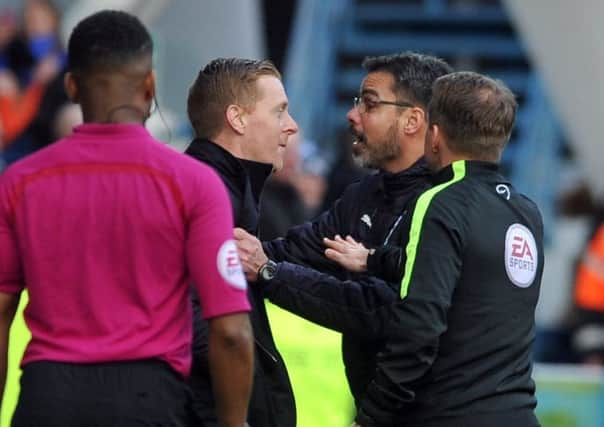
34,110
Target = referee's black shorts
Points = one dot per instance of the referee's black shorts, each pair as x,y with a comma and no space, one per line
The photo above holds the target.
116,394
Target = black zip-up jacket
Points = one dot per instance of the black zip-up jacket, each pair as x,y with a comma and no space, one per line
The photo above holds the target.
272,401
371,211
459,346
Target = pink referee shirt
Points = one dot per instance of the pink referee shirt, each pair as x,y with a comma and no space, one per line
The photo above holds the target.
106,229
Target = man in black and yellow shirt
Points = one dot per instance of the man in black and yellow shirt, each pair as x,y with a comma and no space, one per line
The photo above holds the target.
459,343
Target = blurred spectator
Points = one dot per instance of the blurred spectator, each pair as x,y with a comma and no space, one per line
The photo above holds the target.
36,57
588,318
343,173
556,312
310,182
284,202
8,31
36,40
311,187
18,109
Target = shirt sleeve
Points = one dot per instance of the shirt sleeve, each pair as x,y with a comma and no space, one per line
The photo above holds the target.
304,245
432,269
11,273
211,252
358,307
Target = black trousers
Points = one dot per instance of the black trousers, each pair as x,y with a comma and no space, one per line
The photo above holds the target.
116,394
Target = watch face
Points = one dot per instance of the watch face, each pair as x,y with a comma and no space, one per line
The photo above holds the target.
267,272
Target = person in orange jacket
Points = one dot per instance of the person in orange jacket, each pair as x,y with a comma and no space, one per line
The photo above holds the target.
18,109
588,336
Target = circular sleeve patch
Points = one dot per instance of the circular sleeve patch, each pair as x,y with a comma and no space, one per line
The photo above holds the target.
229,265
521,257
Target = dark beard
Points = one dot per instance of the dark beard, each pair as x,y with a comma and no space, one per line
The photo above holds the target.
376,156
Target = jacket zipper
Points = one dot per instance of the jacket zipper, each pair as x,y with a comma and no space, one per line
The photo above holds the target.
264,349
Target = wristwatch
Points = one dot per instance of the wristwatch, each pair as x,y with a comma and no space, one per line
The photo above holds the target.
267,271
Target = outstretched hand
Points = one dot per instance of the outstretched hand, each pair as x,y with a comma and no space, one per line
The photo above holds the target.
349,253
251,254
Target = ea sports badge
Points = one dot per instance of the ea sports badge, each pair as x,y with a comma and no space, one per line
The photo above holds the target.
521,257
229,265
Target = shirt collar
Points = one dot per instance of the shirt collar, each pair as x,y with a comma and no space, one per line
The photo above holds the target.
110,130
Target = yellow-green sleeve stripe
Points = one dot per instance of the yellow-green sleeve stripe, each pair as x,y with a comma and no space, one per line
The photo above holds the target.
419,213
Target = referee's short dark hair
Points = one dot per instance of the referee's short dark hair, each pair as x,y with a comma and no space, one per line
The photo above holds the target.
106,41
475,113
413,74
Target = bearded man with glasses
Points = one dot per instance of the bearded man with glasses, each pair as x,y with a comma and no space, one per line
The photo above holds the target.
388,123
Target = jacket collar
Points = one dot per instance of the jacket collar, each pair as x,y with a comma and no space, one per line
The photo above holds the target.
469,167
393,184
229,166
258,173
417,169
111,131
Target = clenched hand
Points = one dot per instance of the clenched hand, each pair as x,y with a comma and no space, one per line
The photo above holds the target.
251,254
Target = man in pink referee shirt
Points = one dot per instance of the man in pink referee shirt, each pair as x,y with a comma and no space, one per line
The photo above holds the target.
106,229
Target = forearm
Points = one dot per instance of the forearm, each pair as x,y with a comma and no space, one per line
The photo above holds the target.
231,367
355,307
304,245
301,252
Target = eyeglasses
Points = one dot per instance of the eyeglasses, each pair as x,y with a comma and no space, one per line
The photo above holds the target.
366,103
